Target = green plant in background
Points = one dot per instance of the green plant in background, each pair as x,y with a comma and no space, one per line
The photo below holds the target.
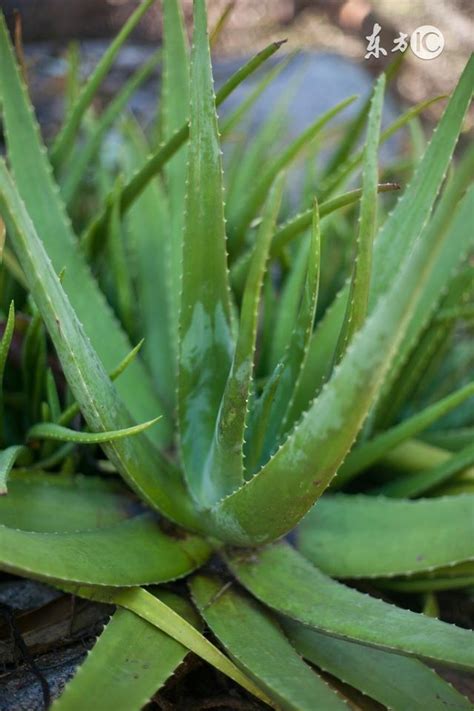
263,397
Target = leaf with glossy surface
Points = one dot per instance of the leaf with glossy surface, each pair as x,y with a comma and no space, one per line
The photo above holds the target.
206,344
366,536
397,682
255,641
281,578
130,661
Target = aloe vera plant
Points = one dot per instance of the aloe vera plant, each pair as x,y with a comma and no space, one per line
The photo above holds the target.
229,433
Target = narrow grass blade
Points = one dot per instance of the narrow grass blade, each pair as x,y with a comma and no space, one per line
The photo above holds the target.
135,458
358,301
88,149
64,141
256,197
5,343
396,682
370,452
158,614
206,344
367,536
226,466
8,458
33,178
130,661
255,641
134,552
281,578
49,503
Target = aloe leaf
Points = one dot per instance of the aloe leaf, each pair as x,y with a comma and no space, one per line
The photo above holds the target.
257,644
281,578
398,234
225,465
291,229
48,503
129,662
370,452
358,301
419,483
175,98
253,202
206,345
8,458
396,682
147,224
120,273
32,174
334,179
266,506
158,160
160,615
88,148
64,141
106,556
367,536
50,430
294,357
135,458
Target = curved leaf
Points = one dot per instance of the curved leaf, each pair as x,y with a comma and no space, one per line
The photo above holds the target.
135,552
281,578
399,683
257,644
366,536
8,458
50,430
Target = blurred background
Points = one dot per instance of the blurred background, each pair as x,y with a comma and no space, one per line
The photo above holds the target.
331,26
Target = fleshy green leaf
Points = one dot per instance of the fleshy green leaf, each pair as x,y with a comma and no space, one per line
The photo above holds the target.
129,662
48,503
396,682
281,578
358,301
226,466
159,614
64,141
8,458
106,556
206,344
135,458
255,641
267,507
366,536
35,184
